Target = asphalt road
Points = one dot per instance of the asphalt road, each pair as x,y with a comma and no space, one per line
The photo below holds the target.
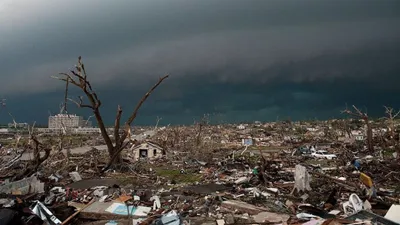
79,150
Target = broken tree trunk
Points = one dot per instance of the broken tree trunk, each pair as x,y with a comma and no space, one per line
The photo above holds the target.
79,79
358,114
390,117
34,165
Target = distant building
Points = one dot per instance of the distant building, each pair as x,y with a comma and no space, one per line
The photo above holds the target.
241,127
66,120
80,130
18,125
4,130
312,129
359,137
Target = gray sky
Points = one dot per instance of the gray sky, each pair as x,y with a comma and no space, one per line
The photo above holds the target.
130,43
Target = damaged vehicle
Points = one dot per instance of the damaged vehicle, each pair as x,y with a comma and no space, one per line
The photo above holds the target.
323,154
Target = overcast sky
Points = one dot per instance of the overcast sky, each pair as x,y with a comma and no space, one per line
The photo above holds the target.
240,60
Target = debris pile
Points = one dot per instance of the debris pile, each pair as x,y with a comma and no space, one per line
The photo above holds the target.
233,188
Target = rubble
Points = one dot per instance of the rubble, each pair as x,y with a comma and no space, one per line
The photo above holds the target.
242,207
23,187
224,186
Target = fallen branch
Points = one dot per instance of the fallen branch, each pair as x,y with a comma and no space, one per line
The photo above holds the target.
349,186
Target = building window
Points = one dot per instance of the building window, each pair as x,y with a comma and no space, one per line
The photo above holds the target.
154,152
143,153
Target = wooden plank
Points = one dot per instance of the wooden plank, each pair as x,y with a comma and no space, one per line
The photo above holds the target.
76,213
101,216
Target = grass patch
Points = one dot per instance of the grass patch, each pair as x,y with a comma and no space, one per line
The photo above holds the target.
388,153
176,176
126,180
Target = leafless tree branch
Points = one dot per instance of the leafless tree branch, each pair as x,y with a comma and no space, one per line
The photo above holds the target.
359,114
79,78
390,117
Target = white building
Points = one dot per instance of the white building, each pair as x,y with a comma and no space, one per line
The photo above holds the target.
241,127
359,137
147,150
67,121
4,130
312,129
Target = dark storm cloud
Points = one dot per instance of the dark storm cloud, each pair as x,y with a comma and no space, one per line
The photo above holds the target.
141,39
242,59
374,85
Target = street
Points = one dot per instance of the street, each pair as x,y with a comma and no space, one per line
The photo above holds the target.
79,150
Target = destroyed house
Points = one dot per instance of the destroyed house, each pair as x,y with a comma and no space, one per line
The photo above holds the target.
147,149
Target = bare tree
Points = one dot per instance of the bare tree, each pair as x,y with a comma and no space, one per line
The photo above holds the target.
88,119
390,117
37,147
31,144
79,78
158,120
359,114
200,126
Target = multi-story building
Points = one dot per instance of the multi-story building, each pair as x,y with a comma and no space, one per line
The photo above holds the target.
67,121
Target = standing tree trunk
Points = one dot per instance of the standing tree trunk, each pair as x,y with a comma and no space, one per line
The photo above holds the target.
370,144
33,165
78,78
363,116
390,117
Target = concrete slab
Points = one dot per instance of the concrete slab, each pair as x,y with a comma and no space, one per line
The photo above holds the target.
89,183
98,211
